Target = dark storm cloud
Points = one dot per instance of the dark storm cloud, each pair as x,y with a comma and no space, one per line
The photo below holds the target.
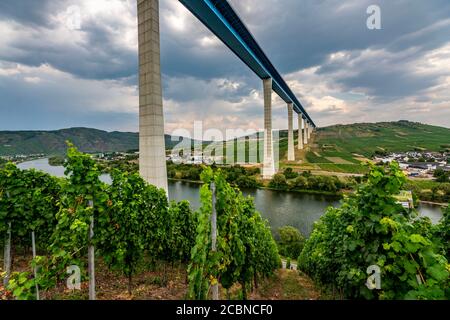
26,11
97,56
295,34
300,34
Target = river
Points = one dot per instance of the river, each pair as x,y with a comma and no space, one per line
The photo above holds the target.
279,208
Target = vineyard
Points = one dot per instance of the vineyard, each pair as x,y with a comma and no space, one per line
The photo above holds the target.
76,228
72,223
371,229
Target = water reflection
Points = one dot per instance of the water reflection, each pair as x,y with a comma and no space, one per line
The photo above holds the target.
279,208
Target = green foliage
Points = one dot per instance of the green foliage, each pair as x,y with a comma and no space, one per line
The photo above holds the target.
278,182
441,175
134,221
83,199
53,142
181,235
429,190
131,219
247,182
291,242
367,138
192,173
202,263
300,183
340,167
56,161
372,229
324,183
22,286
235,175
245,247
331,184
28,200
442,232
289,173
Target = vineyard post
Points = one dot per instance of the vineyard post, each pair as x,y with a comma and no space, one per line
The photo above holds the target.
215,287
7,256
7,253
33,245
91,256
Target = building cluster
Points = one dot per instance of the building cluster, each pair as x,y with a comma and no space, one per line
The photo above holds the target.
112,156
195,159
419,164
22,157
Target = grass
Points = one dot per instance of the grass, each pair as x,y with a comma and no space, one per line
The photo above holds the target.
424,184
366,138
286,285
311,157
347,168
344,148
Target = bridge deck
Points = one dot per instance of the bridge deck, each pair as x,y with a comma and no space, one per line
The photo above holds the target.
219,17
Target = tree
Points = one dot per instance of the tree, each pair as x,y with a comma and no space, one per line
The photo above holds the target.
301,183
441,175
306,174
278,181
291,242
289,173
247,182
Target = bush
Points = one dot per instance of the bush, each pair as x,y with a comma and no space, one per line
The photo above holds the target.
247,182
171,173
441,175
291,242
306,174
192,173
289,173
372,229
442,232
300,183
278,182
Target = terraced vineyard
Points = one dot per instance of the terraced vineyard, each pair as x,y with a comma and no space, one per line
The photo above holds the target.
342,148
366,138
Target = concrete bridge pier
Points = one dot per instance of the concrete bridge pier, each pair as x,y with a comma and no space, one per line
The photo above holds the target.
300,132
269,165
152,149
291,153
310,129
305,135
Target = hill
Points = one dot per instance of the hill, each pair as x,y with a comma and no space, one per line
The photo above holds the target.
53,142
367,138
340,143
341,148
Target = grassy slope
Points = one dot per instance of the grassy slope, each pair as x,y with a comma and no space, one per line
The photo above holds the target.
340,148
366,138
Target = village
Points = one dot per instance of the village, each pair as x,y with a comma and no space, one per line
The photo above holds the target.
418,164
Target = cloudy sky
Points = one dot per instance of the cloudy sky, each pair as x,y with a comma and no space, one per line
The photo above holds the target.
55,73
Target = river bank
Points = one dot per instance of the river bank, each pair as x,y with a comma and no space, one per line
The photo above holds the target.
304,191
287,180
280,208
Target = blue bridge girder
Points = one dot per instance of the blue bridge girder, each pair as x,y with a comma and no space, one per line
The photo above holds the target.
222,20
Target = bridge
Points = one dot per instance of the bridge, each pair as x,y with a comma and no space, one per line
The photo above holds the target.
222,20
